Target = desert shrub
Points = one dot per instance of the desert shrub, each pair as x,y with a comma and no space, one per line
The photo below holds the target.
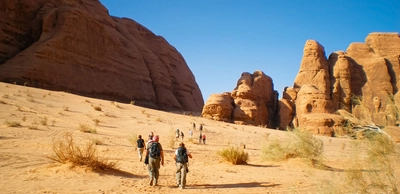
98,108
86,128
234,155
65,108
370,170
43,121
12,123
67,150
96,122
297,145
171,138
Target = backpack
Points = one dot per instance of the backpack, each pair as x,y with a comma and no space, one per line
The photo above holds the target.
140,143
154,150
182,157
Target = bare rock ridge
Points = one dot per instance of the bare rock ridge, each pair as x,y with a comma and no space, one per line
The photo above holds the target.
76,46
362,82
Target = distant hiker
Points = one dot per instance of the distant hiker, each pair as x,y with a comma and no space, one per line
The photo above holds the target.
177,133
140,147
181,157
151,135
156,156
194,126
201,128
191,133
182,135
204,139
200,138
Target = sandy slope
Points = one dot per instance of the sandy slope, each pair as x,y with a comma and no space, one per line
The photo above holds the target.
24,167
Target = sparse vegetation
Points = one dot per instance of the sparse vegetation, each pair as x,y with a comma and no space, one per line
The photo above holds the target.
96,122
43,121
298,144
12,123
132,102
2,102
33,126
67,150
171,138
24,118
132,139
65,108
371,169
234,155
98,108
86,128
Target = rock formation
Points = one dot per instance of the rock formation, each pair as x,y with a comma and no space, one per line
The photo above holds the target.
253,101
76,46
363,81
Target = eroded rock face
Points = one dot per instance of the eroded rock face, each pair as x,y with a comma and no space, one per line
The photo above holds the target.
219,107
254,101
362,81
75,46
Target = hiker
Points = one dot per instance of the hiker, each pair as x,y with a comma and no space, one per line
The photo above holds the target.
194,126
140,147
182,135
204,139
155,154
191,133
177,133
182,160
200,138
201,128
151,135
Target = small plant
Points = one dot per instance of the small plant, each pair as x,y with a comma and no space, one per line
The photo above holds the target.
12,123
87,101
86,128
96,122
65,108
171,138
6,96
159,120
234,155
43,121
98,108
24,118
143,111
132,139
97,142
66,150
33,126
132,102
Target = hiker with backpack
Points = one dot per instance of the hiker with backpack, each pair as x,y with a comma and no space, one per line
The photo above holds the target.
140,147
204,139
155,154
181,157
151,135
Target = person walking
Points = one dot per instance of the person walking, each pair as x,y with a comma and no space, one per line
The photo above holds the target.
140,147
204,139
182,135
156,156
177,134
200,138
151,135
194,126
191,133
182,160
201,128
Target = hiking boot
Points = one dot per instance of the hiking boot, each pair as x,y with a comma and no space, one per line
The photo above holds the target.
151,182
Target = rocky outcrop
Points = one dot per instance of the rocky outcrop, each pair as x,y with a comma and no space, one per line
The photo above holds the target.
219,107
76,46
362,81
254,101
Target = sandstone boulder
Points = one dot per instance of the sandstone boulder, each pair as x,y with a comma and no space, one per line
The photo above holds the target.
76,46
219,107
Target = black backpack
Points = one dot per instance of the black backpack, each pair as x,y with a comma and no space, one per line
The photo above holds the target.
154,150
140,143
182,157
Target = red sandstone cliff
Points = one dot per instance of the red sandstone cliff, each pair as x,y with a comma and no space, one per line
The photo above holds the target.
76,46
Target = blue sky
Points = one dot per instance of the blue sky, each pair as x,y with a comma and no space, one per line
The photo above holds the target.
221,39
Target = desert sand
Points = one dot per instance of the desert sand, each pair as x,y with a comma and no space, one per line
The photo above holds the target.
26,168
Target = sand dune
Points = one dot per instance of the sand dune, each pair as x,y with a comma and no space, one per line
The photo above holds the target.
46,115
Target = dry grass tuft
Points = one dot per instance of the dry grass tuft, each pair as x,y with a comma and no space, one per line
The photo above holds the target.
98,108
132,139
66,150
298,144
86,128
43,121
96,122
234,155
12,124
